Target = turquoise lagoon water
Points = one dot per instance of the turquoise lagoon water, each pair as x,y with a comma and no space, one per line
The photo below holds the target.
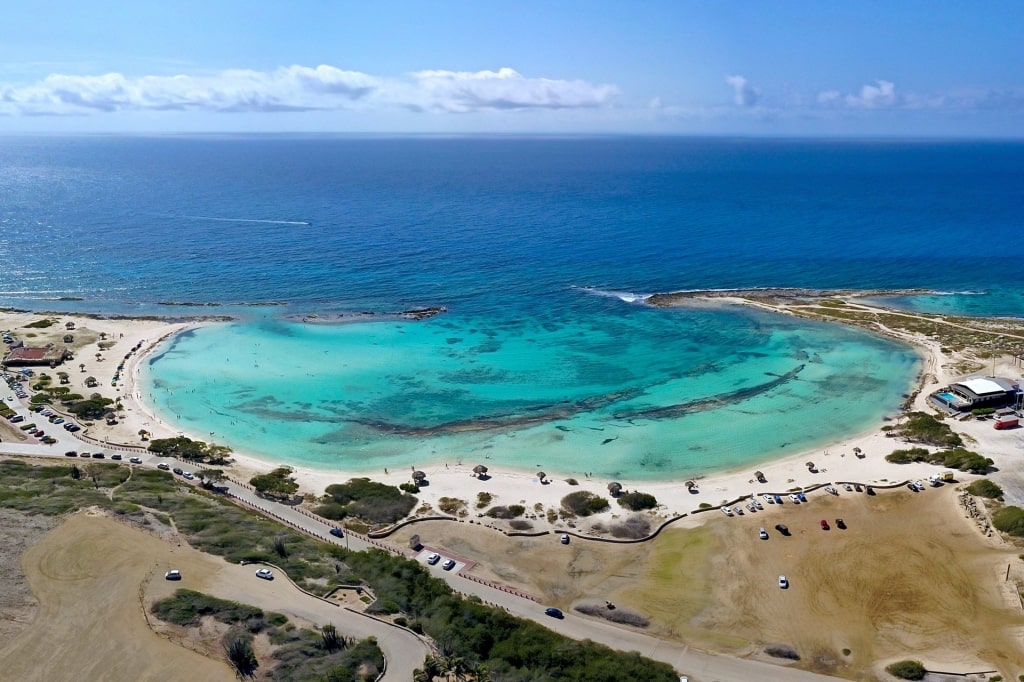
620,390
506,232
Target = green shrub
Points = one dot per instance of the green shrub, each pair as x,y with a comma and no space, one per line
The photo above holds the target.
1009,520
907,670
40,324
638,501
906,456
982,411
584,503
516,510
450,505
985,488
367,500
409,488
187,607
483,499
921,427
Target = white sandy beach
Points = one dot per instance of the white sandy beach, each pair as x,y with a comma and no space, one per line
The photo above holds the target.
834,463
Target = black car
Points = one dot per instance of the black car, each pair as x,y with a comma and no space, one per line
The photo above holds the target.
840,524
782,529
115,456
178,470
71,453
337,532
98,455
553,612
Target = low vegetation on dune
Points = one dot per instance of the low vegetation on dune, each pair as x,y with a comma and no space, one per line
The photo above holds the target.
637,501
510,648
584,503
190,450
294,655
907,670
985,488
957,458
1009,520
365,500
921,427
279,483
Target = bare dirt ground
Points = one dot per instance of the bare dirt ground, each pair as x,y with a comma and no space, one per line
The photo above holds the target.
86,575
909,577
18,532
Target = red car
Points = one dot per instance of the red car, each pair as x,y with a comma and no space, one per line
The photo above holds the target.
824,524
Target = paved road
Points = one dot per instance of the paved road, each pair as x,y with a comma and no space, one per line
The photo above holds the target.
403,651
700,666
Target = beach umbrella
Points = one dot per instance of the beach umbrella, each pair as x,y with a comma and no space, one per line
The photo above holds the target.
479,469
614,488
857,450
810,465
690,485
541,475
418,477
759,475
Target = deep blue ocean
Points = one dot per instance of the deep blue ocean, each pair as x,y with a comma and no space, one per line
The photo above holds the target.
515,236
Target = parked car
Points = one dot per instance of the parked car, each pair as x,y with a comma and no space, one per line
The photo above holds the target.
17,418
762,533
782,528
115,456
770,499
173,574
783,582
778,499
840,524
265,573
71,453
824,524
448,565
433,558
337,532
86,454
803,498
178,470
189,475
565,539
727,511
795,499
164,466
553,612
135,460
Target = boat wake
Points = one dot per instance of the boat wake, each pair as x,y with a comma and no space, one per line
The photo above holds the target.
248,220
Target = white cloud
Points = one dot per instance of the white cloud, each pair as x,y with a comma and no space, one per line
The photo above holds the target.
745,95
880,95
300,88
463,91
828,97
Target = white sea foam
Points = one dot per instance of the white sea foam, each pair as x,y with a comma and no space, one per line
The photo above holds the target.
626,296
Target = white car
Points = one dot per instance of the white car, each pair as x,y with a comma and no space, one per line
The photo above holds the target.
164,466
762,533
727,511
189,475
796,500
565,539
433,558
769,499
265,573
173,574
783,583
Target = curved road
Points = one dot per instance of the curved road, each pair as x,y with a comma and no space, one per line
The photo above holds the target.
403,650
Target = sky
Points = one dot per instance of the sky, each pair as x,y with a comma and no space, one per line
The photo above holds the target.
830,68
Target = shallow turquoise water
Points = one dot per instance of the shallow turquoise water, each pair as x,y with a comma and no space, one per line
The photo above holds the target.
567,392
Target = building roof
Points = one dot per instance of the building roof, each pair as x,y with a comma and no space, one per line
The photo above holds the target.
27,353
981,386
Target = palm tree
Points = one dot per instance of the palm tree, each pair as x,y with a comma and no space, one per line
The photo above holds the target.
431,669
